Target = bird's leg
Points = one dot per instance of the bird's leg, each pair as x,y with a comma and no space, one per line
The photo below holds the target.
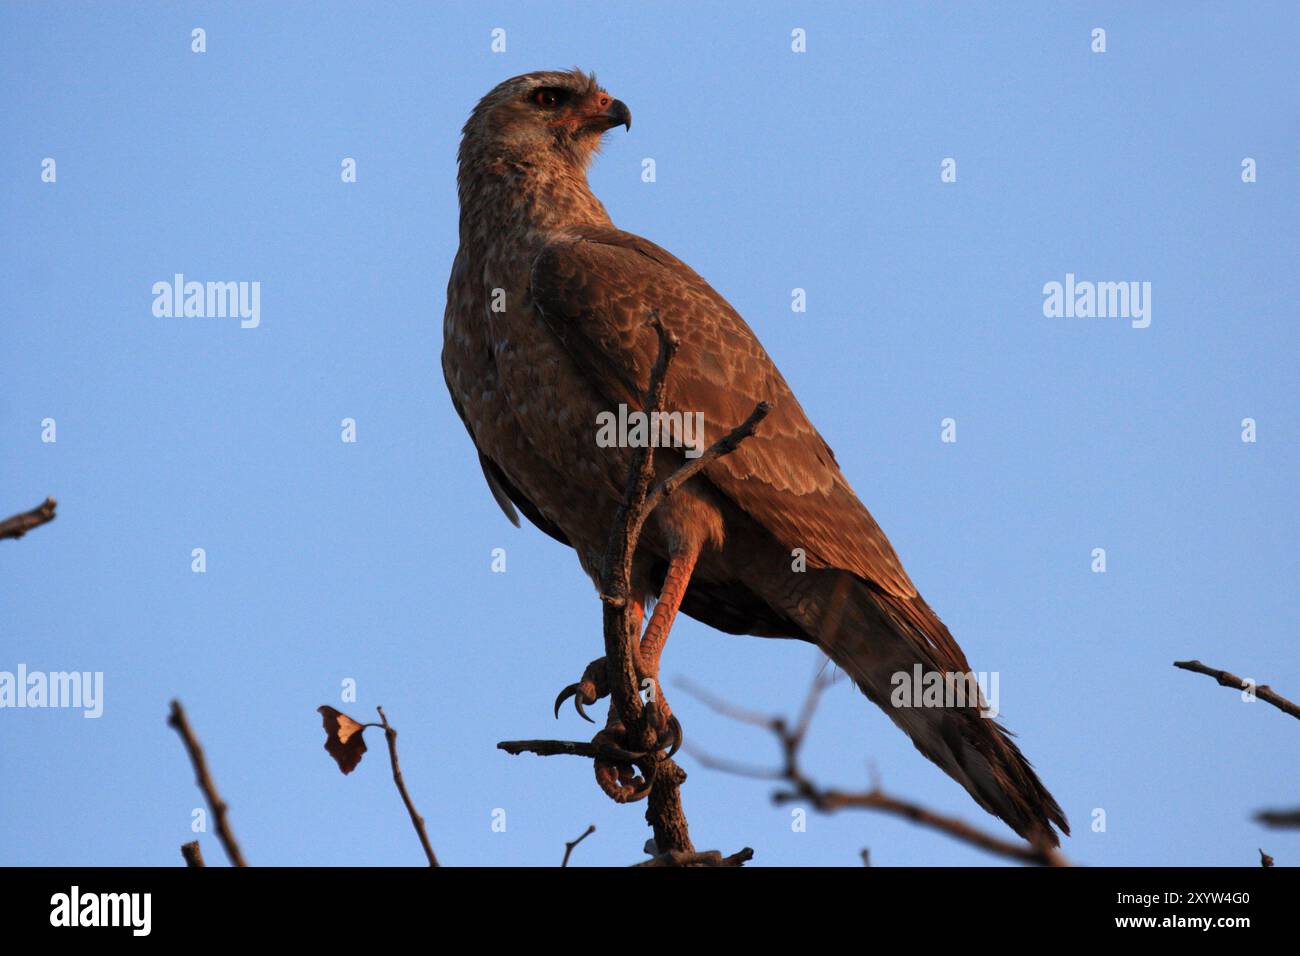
680,567
594,684
616,777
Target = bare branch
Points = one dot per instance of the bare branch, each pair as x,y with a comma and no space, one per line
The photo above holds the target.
20,524
1283,819
819,685
723,446
723,707
570,748
1262,691
661,786
193,855
663,777
735,767
181,724
417,821
570,844
828,801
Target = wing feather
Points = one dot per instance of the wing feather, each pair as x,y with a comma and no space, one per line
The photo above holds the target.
595,289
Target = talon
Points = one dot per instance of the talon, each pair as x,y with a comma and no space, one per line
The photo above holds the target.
610,741
666,728
577,693
589,688
620,782
675,728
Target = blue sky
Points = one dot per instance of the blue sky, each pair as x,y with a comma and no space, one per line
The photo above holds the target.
371,561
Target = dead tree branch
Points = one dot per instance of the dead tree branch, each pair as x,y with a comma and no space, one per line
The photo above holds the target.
417,821
1282,819
570,844
801,788
1262,691
216,805
661,780
572,748
20,524
193,855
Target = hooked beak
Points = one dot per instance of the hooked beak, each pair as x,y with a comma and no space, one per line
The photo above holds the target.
614,114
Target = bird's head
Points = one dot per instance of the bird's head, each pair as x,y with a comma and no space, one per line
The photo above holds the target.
541,117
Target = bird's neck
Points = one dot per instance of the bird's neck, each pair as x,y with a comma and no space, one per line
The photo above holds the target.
511,197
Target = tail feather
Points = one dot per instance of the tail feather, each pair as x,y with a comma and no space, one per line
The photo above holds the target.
874,637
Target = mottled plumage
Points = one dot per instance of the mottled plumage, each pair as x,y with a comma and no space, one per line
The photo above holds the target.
547,326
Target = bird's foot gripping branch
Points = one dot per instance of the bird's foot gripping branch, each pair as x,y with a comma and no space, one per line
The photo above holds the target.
633,754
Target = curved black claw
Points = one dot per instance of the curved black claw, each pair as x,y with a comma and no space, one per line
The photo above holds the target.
576,692
675,728
672,730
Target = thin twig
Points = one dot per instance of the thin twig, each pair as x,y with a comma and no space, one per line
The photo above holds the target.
570,844
723,707
216,805
417,821
829,801
193,855
723,446
791,740
1262,691
20,524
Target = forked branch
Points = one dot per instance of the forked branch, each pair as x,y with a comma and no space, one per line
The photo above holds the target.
801,788
662,776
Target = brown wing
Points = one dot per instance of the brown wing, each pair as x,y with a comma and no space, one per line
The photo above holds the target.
504,493
595,290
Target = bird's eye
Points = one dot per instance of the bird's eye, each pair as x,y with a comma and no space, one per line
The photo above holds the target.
548,99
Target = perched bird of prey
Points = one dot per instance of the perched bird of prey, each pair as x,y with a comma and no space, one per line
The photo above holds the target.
547,327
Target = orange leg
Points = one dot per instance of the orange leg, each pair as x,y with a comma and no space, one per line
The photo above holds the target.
680,567
594,684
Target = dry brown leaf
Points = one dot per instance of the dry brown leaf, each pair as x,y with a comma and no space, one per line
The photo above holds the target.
343,738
